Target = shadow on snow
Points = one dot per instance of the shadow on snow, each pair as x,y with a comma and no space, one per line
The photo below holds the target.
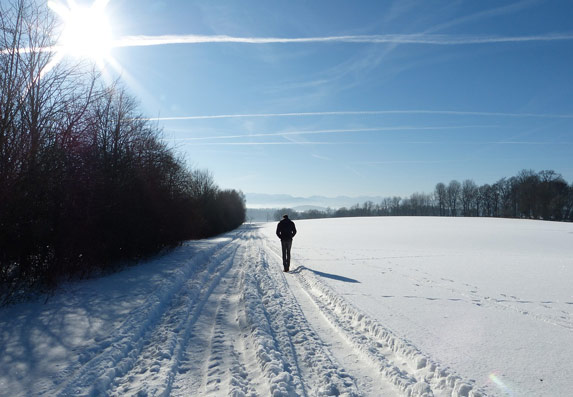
326,275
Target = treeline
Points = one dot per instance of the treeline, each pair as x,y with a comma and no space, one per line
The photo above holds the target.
85,181
544,195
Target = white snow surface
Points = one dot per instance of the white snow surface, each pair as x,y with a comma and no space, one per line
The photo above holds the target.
372,306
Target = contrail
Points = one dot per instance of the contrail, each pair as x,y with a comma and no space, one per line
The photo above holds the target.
360,112
329,131
417,38
433,39
528,143
274,143
380,143
404,162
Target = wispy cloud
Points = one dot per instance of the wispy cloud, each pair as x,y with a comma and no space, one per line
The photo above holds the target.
331,131
287,143
320,157
528,143
485,14
362,112
556,143
275,143
404,162
417,38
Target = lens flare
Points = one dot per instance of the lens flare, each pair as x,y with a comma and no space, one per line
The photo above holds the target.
502,385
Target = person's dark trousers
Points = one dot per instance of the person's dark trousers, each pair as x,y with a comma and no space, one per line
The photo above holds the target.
286,245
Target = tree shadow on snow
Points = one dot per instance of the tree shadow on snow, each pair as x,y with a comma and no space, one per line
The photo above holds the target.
326,275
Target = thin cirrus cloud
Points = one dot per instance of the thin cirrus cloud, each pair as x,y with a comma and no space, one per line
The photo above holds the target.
360,112
275,143
428,39
471,143
331,131
404,162
416,38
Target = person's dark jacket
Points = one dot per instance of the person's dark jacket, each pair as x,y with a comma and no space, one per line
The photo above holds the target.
286,229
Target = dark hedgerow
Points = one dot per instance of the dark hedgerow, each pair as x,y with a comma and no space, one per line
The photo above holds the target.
85,181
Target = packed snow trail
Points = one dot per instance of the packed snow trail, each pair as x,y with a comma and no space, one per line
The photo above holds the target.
396,361
228,321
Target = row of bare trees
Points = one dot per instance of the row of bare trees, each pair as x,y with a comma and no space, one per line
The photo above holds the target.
544,195
85,181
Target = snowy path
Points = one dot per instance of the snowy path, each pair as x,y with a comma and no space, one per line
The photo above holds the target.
381,363
367,378
227,322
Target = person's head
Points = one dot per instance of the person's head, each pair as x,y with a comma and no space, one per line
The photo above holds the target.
285,216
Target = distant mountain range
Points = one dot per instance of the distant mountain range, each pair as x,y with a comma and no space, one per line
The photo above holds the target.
263,200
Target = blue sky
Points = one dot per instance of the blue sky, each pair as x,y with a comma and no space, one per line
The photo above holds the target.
385,98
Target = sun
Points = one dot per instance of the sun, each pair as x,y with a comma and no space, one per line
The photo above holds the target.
86,31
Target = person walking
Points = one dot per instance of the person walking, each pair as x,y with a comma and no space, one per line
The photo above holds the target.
286,230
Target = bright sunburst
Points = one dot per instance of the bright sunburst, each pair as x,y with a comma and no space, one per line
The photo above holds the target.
86,30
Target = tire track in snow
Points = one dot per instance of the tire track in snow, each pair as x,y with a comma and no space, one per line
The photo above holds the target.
117,356
156,365
214,362
397,360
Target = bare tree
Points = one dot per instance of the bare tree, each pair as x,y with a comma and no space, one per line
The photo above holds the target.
552,195
468,197
527,193
568,208
495,199
507,197
395,205
485,200
440,195
203,184
453,195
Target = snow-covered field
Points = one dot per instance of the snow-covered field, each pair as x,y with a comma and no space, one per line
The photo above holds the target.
372,306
